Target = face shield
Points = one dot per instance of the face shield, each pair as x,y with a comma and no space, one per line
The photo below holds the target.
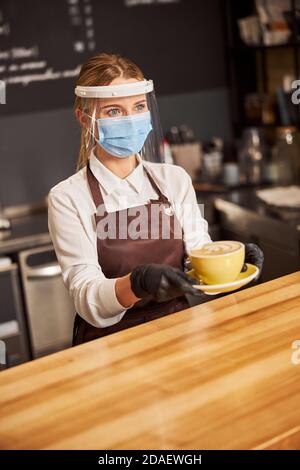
122,119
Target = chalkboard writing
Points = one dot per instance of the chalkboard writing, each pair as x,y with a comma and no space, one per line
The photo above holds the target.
44,43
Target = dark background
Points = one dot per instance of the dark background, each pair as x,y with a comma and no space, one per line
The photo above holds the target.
178,45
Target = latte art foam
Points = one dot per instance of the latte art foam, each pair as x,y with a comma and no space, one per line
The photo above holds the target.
217,248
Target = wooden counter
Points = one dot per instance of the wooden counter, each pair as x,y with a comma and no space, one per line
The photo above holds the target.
218,375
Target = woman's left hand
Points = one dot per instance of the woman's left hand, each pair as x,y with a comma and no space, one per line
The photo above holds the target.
254,255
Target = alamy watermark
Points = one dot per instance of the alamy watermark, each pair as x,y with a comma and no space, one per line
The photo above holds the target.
2,92
295,356
154,221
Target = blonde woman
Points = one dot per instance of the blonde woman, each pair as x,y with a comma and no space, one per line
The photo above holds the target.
123,223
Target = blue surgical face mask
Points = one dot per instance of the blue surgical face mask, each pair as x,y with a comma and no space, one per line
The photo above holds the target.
125,135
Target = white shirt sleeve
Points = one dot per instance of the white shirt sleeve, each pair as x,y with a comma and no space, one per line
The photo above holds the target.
93,294
194,225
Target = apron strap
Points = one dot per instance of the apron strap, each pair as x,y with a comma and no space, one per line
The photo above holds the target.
161,195
94,186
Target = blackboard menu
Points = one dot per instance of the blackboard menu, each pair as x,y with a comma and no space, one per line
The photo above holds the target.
43,44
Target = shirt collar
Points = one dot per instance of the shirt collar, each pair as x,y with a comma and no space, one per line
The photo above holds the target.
109,181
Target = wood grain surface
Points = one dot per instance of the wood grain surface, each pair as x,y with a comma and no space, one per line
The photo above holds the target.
221,375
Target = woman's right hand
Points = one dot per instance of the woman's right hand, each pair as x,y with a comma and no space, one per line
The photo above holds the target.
161,282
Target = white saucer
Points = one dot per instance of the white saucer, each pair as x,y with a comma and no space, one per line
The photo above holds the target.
214,289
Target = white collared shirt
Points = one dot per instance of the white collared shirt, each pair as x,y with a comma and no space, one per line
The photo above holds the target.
72,228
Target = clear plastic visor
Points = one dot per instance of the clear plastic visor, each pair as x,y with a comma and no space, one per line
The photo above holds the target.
122,120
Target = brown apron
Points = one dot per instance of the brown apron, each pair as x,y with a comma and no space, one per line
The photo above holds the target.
119,255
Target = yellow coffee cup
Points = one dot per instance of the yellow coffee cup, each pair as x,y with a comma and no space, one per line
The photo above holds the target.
218,262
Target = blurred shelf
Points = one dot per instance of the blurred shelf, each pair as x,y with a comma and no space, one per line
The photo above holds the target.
261,125
243,47
223,188
251,69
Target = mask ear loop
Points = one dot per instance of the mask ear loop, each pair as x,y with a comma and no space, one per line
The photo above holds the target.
89,135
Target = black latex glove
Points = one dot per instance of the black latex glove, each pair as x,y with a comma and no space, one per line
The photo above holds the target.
161,282
253,255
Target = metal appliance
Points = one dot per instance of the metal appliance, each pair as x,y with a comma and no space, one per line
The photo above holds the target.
14,348
50,310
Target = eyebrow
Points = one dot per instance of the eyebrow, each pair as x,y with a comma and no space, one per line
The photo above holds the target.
117,104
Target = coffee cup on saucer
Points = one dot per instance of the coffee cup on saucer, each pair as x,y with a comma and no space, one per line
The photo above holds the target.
218,262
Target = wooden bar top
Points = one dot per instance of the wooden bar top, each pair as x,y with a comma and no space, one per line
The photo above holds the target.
221,375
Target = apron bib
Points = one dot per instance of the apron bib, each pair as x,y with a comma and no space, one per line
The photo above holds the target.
119,255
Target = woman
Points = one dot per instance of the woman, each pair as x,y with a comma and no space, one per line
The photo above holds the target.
108,221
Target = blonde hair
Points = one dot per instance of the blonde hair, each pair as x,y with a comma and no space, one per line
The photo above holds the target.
100,70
